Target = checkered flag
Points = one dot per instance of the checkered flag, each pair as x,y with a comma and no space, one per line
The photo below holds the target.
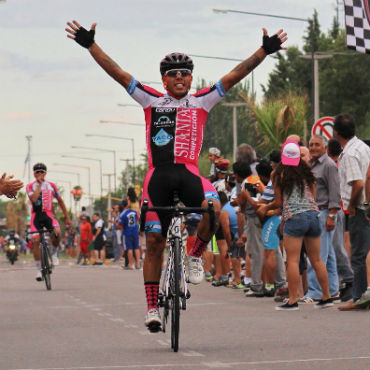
357,16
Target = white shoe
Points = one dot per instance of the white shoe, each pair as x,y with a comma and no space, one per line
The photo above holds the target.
196,271
153,320
55,260
39,276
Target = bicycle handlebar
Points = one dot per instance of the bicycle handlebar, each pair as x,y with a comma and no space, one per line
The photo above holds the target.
176,210
41,231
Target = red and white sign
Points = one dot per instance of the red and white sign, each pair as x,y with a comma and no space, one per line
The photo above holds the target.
324,127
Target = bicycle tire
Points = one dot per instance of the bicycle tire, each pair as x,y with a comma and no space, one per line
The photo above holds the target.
175,287
46,267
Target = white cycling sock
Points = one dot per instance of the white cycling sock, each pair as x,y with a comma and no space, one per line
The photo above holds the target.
38,264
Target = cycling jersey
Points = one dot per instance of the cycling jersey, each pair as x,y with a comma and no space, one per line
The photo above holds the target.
174,127
42,208
174,137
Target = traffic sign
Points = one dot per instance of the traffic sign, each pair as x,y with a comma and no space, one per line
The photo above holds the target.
324,127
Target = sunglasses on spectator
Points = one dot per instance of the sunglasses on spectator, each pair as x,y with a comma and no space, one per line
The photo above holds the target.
174,72
40,171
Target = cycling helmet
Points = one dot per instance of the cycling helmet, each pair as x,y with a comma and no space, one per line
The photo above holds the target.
193,219
222,165
39,166
175,61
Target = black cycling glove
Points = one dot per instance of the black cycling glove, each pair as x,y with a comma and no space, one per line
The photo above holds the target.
271,44
84,37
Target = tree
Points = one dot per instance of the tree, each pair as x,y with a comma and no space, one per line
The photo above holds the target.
278,118
344,78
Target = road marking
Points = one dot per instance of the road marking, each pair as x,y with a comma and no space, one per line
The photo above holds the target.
216,365
116,319
178,365
192,354
162,342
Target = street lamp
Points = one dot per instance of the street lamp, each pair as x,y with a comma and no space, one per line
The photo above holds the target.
307,20
102,150
120,138
90,159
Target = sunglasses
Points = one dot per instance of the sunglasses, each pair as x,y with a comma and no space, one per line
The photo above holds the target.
174,72
40,171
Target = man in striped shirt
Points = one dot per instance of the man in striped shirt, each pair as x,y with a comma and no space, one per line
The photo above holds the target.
353,167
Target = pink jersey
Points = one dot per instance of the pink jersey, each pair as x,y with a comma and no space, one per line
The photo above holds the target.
44,203
174,128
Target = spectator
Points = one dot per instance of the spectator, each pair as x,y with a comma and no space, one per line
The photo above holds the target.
328,201
128,222
353,169
245,153
213,155
221,168
294,187
99,239
341,242
85,238
305,154
132,200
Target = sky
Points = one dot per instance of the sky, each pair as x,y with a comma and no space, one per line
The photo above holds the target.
52,89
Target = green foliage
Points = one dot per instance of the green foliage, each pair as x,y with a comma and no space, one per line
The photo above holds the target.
218,131
344,78
278,118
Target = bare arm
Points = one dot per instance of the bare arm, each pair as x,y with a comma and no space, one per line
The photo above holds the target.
110,66
33,197
225,224
243,69
64,210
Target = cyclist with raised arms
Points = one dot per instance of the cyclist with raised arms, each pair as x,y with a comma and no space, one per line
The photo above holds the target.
41,194
174,133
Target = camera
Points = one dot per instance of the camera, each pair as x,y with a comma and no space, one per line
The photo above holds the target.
251,189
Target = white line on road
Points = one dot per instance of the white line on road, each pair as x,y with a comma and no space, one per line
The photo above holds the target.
192,354
116,319
178,365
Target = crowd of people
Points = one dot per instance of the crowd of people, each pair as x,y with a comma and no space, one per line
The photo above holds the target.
295,223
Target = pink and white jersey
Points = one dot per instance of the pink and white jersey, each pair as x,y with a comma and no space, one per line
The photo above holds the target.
174,128
44,202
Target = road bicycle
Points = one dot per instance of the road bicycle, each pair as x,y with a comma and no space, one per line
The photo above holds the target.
46,260
174,291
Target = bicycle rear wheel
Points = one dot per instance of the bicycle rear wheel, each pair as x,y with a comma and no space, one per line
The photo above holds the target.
175,290
46,265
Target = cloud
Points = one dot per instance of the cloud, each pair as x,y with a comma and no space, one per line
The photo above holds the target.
17,116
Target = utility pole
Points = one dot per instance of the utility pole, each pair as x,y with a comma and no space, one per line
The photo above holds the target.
29,138
235,126
109,206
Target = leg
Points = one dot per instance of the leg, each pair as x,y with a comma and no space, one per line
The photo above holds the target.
293,250
313,251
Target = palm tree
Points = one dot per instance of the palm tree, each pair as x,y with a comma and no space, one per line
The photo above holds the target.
278,118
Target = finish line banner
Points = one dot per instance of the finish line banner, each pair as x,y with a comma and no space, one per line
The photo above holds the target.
357,17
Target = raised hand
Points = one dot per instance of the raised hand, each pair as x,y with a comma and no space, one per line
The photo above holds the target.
273,44
9,187
82,36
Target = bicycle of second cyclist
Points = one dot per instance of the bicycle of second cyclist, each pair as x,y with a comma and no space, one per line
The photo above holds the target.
174,291
46,260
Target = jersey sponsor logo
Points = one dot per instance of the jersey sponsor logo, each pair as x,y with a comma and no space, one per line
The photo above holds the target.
165,110
164,121
166,101
162,138
187,133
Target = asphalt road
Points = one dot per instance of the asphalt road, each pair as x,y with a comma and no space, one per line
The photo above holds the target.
93,319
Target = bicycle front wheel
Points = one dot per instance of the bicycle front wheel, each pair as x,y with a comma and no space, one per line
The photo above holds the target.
46,265
175,290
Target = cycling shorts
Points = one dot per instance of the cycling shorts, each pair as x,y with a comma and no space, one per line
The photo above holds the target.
40,220
162,182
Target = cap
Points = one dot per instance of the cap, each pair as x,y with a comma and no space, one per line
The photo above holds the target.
124,202
290,153
215,151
